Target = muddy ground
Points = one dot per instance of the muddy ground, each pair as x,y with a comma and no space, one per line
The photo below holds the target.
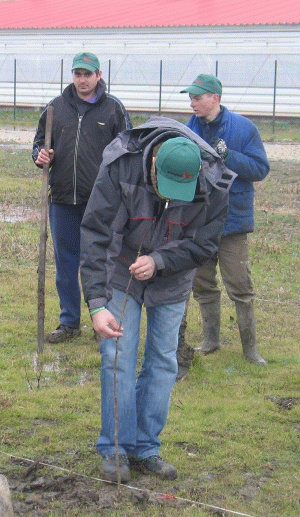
36,490
34,494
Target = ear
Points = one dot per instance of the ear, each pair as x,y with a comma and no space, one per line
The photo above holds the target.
99,75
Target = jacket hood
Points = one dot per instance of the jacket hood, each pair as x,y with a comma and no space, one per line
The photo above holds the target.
158,129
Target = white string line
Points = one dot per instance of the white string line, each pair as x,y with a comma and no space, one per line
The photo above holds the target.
166,496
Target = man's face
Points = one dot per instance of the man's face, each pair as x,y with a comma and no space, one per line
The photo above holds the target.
205,105
85,82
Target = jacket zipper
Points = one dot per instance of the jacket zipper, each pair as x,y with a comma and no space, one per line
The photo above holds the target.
75,157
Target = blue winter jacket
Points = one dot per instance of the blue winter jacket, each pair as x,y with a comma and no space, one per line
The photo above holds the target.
247,157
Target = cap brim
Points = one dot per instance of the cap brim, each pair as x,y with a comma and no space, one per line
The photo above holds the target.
175,190
196,90
84,65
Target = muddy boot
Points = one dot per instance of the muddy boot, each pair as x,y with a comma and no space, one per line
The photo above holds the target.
211,319
246,324
185,352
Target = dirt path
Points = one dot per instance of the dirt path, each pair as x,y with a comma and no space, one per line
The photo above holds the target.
275,151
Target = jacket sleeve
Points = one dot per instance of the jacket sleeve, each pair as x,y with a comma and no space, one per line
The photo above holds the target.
250,163
98,241
201,242
39,139
121,116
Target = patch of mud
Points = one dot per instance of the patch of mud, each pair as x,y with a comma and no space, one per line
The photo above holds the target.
35,495
284,402
18,214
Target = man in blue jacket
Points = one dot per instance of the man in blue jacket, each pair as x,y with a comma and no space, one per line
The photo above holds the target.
237,141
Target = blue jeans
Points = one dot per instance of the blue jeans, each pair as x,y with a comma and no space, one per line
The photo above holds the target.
65,221
143,403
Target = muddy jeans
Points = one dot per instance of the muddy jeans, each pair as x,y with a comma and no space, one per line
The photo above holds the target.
233,260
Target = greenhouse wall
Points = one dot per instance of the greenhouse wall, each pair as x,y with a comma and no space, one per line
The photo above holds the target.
259,69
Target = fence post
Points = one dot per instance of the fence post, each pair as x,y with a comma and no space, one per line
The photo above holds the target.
109,70
274,95
217,68
15,87
61,75
160,87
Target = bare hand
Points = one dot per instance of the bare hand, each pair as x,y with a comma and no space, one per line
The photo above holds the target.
44,157
106,325
143,268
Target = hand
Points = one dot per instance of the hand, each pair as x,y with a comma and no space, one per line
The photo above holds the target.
219,145
143,268
44,157
106,325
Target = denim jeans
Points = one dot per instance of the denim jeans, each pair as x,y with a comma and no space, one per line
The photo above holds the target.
143,403
65,221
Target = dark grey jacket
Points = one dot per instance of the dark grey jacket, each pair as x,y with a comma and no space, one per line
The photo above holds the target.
124,213
81,131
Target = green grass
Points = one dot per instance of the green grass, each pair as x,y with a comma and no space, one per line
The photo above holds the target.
233,443
19,117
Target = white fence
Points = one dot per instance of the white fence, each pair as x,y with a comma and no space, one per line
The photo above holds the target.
254,85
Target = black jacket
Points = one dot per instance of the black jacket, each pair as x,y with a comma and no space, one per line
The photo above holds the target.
81,131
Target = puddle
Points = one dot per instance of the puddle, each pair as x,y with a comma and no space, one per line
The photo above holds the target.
70,376
47,366
16,146
18,214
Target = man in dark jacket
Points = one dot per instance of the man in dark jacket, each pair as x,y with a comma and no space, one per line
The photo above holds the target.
85,120
147,226
238,143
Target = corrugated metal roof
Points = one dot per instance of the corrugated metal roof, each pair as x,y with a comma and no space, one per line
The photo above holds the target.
43,14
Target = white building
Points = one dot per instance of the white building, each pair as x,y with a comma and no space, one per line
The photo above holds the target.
147,65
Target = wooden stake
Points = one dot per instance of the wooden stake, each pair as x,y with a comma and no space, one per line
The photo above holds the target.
43,235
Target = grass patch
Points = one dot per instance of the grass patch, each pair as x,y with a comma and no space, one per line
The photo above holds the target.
233,428
282,130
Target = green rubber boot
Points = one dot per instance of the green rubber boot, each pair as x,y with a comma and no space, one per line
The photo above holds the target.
246,324
211,320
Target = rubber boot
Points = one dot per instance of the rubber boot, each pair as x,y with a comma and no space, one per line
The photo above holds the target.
185,352
246,324
211,320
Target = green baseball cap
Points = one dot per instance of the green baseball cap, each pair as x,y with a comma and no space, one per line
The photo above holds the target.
205,83
87,61
177,164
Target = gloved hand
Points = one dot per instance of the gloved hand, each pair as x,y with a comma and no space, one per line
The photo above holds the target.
219,145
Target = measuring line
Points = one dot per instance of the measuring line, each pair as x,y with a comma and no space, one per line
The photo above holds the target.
165,496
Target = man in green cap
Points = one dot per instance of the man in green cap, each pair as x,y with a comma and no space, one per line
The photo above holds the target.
155,214
86,119
237,141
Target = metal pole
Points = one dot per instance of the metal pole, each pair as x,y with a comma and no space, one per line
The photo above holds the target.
274,95
217,66
160,87
15,87
109,70
61,75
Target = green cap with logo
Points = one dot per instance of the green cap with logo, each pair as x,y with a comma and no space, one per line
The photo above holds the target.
177,164
204,83
86,60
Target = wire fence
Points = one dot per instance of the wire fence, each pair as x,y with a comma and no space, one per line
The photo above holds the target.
255,85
